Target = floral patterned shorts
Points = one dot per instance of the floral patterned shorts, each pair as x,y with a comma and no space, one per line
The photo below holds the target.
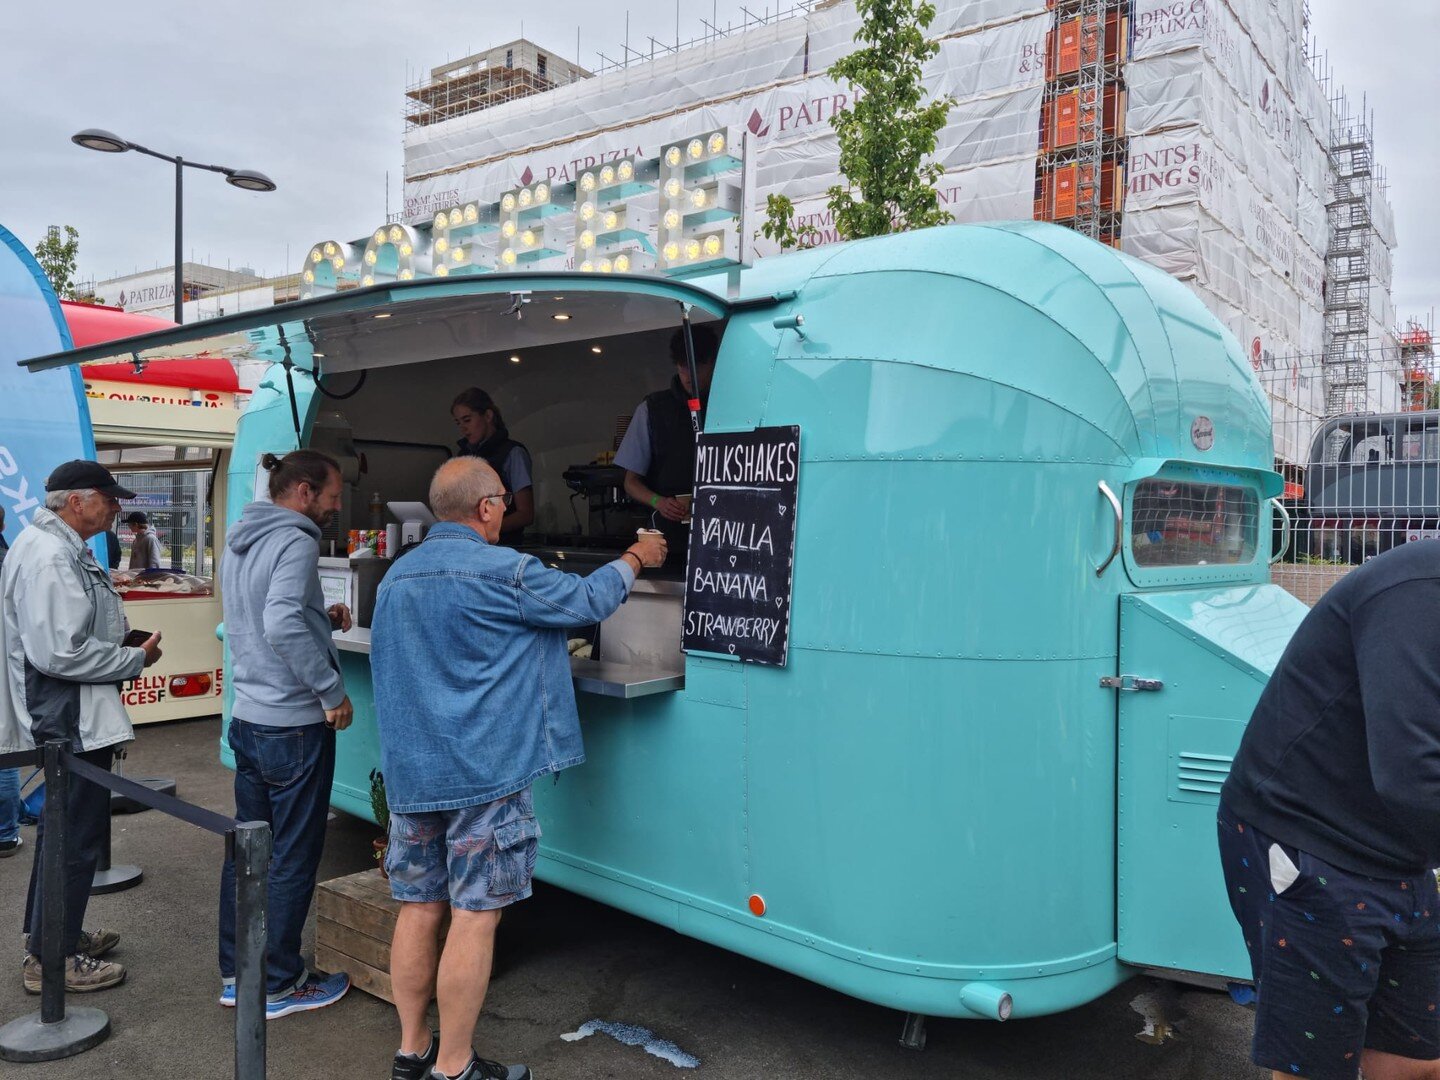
1342,963
477,858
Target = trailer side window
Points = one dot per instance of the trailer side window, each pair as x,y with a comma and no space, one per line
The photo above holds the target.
1179,523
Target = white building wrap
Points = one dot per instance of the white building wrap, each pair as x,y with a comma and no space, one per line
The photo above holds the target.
1228,173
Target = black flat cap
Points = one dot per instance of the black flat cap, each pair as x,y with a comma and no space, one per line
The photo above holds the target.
74,475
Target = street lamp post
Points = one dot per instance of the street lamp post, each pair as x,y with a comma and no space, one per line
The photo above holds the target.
247,179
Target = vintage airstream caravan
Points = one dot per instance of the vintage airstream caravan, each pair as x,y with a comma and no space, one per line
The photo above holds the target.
1029,611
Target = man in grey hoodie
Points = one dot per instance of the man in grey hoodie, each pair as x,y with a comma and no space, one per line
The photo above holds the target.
290,701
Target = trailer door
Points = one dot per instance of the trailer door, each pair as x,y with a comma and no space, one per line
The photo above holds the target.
1192,665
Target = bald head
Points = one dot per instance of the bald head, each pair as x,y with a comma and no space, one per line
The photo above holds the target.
458,487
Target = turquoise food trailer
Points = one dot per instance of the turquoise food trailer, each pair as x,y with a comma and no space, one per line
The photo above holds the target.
1030,610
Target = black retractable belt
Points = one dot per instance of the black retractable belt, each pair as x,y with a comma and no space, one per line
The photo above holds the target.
55,1032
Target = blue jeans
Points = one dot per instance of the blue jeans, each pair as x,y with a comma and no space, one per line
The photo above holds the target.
9,804
283,777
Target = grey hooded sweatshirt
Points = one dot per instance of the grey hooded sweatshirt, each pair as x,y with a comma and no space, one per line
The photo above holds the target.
283,663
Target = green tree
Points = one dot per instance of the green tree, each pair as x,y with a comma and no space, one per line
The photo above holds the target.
885,135
57,258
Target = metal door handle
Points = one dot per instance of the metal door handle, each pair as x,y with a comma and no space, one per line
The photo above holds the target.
1285,532
1119,528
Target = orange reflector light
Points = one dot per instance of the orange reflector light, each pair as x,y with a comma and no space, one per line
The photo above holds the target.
757,905
194,685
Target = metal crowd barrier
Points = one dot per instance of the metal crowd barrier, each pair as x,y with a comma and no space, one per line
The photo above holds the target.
57,1032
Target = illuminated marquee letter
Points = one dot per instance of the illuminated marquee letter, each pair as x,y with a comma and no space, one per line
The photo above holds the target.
395,253
531,237
700,202
329,267
613,230
461,238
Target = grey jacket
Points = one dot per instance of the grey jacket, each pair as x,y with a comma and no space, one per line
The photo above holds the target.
283,663
145,552
61,625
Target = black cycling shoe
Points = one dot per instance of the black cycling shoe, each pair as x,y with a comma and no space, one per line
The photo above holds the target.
410,1067
480,1069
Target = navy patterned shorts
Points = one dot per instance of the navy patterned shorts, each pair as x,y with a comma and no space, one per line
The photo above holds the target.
1342,962
476,858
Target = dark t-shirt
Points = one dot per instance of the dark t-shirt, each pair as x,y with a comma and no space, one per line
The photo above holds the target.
1342,755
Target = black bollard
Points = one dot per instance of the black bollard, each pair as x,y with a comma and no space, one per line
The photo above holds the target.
252,874
54,1032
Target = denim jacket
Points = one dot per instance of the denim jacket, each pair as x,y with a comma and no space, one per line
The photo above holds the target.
473,696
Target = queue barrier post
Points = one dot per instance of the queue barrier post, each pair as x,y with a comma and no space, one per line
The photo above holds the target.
57,1032
252,842
108,878
54,1032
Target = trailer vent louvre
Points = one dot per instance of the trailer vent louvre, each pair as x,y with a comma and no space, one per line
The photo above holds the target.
1201,775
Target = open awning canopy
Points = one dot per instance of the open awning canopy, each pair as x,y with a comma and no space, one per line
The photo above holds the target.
415,321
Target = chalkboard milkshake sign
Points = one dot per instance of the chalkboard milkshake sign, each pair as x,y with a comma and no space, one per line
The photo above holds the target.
742,544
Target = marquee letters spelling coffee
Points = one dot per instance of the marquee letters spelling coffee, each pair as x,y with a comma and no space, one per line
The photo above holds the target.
742,544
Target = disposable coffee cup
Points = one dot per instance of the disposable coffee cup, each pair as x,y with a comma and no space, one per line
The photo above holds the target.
685,500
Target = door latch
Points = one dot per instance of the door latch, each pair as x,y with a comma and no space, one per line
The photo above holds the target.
1129,682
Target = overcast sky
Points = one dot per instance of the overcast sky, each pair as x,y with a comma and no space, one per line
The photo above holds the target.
311,93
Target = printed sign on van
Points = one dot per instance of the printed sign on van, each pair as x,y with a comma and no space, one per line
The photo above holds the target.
742,544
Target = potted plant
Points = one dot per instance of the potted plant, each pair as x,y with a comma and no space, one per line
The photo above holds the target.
380,807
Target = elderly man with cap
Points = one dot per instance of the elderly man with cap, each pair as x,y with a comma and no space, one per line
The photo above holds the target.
62,632
145,548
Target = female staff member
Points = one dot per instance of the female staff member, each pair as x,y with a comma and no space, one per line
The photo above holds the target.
483,434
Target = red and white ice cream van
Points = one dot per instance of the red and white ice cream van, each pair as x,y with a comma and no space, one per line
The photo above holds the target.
166,430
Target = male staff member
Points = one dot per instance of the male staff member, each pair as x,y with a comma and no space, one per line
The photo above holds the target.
145,549
474,703
658,451
1329,825
289,703
62,627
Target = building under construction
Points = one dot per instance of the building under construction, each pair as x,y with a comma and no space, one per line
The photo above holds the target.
1204,137
484,80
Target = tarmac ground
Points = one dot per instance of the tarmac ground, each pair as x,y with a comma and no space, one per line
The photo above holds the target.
564,961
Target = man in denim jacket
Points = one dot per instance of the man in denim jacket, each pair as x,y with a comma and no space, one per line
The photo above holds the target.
474,703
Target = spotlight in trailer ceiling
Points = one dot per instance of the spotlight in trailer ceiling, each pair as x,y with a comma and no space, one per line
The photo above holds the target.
514,359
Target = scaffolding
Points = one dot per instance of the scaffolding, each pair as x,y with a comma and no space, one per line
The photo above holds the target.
516,70
653,47
1080,174
1348,269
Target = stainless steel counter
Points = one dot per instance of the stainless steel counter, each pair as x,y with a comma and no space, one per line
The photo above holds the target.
622,680
602,677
